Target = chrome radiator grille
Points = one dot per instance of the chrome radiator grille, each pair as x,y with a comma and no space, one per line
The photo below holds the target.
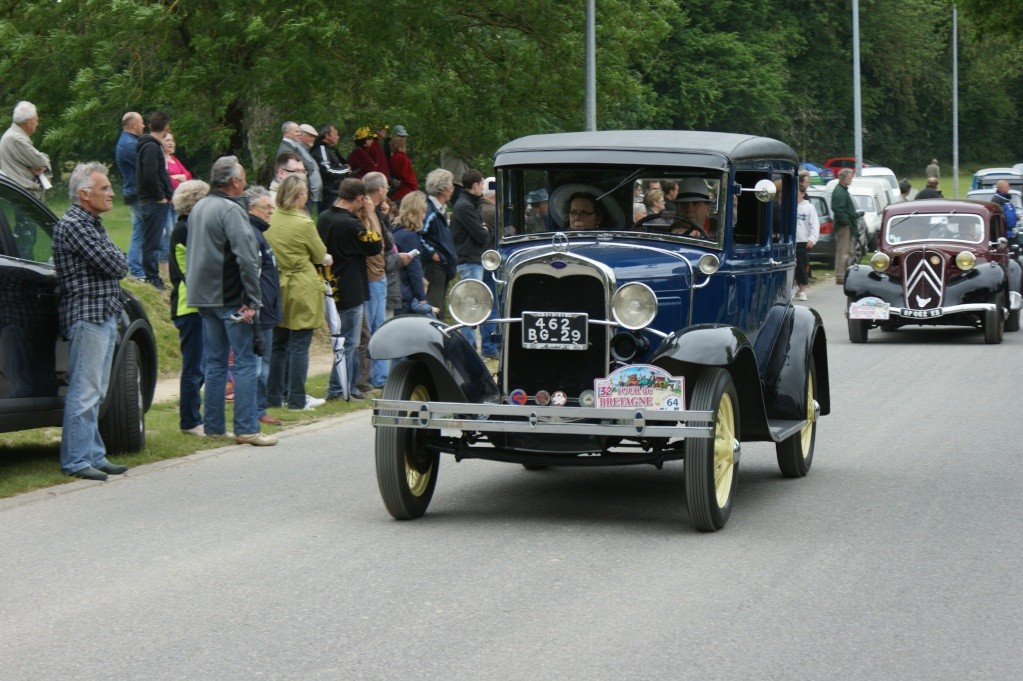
571,371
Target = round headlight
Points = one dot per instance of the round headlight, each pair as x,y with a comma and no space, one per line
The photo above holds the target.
880,262
709,263
634,306
965,261
470,302
491,260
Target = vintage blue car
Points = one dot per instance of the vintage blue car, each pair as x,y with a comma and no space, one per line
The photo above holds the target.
671,337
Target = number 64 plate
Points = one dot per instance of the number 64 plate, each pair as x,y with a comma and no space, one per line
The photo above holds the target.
554,330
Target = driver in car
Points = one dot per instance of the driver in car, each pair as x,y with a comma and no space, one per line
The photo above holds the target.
584,212
693,206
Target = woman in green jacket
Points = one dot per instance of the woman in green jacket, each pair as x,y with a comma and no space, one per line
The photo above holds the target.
298,248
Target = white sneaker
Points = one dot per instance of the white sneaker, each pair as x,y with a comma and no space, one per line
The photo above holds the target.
800,296
313,402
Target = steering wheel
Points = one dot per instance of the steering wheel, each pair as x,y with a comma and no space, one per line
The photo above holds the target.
673,220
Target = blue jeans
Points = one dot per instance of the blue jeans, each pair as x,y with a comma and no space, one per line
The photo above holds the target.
91,354
135,246
154,222
263,370
220,336
192,370
376,314
351,330
172,218
289,366
487,347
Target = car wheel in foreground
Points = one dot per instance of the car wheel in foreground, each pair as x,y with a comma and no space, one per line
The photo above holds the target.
795,453
406,470
858,330
123,426
711,469
993,326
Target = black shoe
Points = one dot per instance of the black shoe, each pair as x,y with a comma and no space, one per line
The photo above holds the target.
113,469
357,396
90,473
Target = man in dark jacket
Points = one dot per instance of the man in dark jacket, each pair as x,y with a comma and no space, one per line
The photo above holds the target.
349,243
471,238
439,255
126,153
333,167
845,222
154,191
931,191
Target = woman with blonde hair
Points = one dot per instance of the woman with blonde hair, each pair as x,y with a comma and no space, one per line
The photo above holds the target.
406,229
298,248
186,318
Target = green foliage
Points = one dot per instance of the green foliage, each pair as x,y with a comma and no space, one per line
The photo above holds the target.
472,76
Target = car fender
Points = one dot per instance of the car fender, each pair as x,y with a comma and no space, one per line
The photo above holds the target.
459,373
862,281
686,352
802,337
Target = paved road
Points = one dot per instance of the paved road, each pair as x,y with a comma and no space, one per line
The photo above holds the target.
897,558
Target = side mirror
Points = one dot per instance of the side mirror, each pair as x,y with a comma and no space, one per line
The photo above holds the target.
764,190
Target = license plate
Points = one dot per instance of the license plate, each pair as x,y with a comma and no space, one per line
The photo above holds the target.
922,314
554,330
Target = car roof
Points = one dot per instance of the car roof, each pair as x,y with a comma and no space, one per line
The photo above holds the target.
713,150
997,171
877,170
990,191
982,208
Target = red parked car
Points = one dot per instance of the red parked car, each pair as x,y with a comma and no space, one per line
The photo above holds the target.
837,163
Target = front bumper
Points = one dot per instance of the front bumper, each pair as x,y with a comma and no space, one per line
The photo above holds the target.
938,313
508,418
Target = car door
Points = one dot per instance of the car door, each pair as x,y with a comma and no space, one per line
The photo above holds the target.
31,354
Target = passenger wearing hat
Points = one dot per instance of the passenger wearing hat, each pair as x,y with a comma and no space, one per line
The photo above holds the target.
536,211
584,211
403,175
294,136
692,206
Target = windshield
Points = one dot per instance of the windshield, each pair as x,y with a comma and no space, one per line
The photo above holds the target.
864,203
576,200
907,228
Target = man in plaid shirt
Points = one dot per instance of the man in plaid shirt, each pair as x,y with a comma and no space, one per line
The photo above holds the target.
89,267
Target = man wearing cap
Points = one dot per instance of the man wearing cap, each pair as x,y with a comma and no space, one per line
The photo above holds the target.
294,139
536,211
692,206
403,176
333,167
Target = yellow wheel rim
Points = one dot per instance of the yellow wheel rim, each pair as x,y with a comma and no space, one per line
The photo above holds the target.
724,452
806,435
417,482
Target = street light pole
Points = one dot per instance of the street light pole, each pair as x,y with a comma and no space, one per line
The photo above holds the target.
857,115
591,67
955,102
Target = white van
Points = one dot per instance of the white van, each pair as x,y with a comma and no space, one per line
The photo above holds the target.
870,194
888,176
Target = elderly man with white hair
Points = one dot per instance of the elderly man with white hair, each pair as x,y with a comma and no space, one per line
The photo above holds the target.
298,139
89,267
23,163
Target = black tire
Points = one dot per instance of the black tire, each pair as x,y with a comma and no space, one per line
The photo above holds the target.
858,330
406,471
993,326
123,426
535,467
711,471
795,453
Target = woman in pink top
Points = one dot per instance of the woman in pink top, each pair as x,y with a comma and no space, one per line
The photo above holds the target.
175,168
178,174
